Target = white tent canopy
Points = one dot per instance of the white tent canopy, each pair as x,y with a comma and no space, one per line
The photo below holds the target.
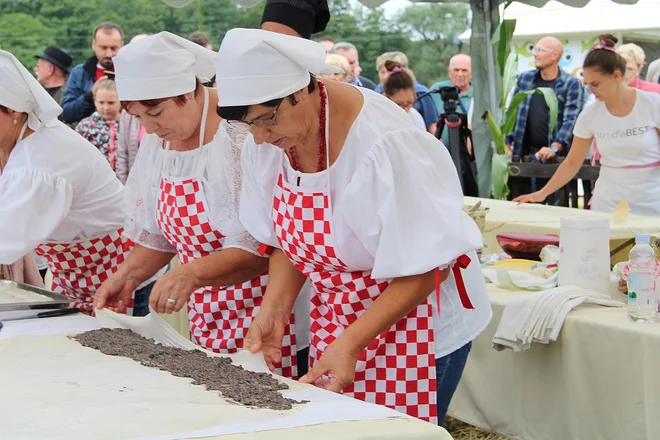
640,21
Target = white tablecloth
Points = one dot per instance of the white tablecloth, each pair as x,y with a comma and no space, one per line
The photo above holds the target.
507,216
387,429
599,381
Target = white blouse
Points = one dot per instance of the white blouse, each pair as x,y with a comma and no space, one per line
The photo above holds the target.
397,209
217,165
56,187
417,119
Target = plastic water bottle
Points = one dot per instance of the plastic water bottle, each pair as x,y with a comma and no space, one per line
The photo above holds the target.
642,277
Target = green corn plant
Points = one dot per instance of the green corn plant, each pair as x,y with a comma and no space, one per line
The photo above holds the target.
508,62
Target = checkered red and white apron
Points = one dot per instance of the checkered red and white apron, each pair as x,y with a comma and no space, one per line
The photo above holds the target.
79,268
219,317
398,368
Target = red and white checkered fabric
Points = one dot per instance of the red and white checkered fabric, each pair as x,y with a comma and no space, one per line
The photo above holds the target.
398,368
79,268
219,317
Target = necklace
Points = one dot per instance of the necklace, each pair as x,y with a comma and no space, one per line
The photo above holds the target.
322,147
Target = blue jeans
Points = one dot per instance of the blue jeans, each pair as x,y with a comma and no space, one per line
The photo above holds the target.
141,301
448,372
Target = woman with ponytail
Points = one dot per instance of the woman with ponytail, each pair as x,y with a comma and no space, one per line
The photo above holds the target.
399,86
625,122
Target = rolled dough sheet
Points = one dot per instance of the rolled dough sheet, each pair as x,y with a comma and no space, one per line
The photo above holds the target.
54,388
10,294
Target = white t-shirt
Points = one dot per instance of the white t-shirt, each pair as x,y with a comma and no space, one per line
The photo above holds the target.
397,209
56,187
626,141
417,119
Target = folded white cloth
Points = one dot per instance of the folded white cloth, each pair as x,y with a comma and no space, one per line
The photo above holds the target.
519,280
539,317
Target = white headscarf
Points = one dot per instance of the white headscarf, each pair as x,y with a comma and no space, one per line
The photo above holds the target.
255,66
20,91
161,66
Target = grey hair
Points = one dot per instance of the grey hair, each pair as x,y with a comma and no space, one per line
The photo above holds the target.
344,45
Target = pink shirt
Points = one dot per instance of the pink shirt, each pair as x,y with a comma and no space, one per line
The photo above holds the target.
646,86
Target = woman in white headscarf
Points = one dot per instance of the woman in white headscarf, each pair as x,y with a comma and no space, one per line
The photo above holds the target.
58,194
350,194
183,195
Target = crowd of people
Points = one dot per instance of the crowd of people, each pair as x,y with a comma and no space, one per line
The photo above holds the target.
308,181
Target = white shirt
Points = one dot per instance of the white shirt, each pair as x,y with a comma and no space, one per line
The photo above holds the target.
218,167
56,187
397,209
630,140
417,119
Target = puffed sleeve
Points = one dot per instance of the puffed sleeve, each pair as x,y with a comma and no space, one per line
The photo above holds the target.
33,203
260,173
405,205
141,198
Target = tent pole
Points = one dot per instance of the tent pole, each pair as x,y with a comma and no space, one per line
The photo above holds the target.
490,59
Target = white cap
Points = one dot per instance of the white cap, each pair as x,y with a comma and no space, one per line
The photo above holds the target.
20,91
256,66
161,66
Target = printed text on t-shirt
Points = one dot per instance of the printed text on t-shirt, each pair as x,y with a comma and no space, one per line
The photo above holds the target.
635,131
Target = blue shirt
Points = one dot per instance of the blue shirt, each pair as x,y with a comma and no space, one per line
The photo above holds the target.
425,106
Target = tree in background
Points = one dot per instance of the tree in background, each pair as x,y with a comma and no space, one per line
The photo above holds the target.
28,26
434,29
426,33
24,47
368,29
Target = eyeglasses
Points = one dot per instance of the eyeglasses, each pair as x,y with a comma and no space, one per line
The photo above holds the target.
542,49
405,105
259,123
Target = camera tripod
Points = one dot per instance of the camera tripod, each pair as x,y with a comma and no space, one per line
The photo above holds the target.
459,133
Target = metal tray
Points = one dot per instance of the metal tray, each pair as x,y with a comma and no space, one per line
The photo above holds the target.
58,301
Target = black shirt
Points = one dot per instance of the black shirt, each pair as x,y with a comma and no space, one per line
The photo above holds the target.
538,120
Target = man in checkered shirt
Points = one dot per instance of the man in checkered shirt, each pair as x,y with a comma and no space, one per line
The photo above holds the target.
531,134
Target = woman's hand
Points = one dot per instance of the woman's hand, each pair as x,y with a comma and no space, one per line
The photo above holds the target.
266,334
623,286
116,293
535,197
177,284
336,368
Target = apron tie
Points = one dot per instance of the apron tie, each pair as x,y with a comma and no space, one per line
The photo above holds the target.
462,262
264,250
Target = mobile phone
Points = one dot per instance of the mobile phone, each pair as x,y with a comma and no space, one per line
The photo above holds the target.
110,74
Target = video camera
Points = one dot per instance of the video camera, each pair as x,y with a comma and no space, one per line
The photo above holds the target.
449,96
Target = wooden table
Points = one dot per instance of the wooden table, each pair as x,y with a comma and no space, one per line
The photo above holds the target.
522,169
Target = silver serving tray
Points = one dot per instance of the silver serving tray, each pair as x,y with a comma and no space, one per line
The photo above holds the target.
58,301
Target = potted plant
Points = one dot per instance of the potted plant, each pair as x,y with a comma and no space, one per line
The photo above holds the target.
508,64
